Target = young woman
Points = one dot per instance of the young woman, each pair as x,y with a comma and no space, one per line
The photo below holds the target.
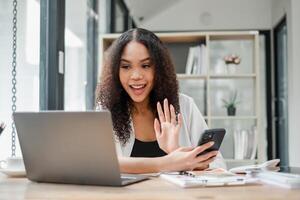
156,128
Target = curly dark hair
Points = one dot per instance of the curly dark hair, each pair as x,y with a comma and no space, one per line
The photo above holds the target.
110,93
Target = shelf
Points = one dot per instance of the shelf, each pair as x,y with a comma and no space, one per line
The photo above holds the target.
233,76
181,37
233,117
225,76
191,76
245,35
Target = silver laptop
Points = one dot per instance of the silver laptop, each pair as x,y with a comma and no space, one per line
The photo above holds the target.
70,147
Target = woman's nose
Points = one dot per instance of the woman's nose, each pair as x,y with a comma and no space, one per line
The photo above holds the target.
136,74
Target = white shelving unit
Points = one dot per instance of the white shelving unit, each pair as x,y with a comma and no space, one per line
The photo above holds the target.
210,39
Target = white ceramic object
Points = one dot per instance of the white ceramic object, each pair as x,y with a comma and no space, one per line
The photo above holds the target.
13,166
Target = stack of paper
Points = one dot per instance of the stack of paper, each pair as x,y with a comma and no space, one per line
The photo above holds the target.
280,179
270,165
206,179
268,172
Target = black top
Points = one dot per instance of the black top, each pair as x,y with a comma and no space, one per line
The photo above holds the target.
146,149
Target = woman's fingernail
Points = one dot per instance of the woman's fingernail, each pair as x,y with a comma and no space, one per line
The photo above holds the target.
211,143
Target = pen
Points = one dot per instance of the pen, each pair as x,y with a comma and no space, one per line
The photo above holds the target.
186,173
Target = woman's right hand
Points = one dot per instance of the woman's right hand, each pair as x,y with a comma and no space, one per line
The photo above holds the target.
185,158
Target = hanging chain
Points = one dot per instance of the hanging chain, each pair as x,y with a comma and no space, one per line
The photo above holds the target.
14,80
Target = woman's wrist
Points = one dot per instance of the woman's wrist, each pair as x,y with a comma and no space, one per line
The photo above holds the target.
174,148
161,163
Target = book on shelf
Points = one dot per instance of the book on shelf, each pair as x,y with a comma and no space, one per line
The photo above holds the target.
190,61
196,60
204,63
245,143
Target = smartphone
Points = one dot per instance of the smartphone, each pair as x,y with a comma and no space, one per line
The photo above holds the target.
216,135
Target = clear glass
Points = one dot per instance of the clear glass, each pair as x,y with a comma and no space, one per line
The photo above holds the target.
219,49
75,55
28,43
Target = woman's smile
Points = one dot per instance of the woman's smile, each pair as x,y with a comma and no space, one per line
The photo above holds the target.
138,89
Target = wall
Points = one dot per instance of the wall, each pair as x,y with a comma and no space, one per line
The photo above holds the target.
205,15
294,81
279,8
294,91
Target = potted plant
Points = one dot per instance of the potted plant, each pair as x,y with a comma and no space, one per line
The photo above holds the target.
230,104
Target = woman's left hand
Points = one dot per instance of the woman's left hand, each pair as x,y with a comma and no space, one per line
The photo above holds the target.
166,128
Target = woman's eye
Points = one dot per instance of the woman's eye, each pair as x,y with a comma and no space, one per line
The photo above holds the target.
125,66
146,65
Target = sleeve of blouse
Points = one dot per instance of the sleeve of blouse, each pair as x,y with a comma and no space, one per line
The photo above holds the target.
118,148
98,107
197,127
197,123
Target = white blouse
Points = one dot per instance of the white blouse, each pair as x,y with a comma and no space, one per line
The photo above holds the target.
193,126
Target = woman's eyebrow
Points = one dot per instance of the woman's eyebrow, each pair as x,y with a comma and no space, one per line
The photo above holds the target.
124,60
145,59
142,60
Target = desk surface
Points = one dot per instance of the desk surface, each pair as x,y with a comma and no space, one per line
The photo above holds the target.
156,188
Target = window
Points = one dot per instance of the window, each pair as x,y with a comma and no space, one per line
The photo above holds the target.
75,54
28,32
81,54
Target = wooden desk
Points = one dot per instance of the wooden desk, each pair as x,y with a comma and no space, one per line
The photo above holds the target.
156,188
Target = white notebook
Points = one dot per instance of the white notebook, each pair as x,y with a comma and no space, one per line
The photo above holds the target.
270,165
288,180
205,179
